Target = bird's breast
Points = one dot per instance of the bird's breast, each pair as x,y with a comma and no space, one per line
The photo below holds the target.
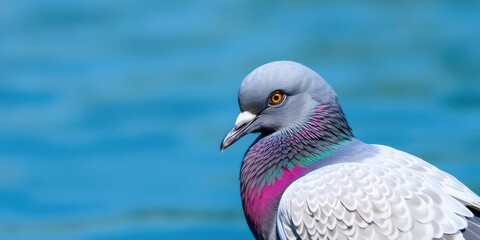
261,199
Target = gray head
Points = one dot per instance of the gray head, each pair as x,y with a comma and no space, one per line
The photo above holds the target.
276,96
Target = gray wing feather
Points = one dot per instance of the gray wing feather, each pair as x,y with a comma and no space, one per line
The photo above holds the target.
377,199
473,229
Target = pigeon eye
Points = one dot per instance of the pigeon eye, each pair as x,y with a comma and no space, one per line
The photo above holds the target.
277,97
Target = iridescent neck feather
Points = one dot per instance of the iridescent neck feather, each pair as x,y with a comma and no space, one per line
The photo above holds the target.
276,160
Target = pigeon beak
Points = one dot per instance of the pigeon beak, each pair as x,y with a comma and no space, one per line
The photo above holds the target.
244,120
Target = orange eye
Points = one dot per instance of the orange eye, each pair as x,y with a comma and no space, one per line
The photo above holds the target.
277,97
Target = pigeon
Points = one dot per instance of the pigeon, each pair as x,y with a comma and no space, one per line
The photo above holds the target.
306,176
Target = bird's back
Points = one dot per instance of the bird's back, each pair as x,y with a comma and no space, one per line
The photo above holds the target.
377,192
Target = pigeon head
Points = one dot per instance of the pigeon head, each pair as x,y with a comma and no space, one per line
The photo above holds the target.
278,96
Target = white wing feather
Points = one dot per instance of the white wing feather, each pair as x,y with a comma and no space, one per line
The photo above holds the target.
382,194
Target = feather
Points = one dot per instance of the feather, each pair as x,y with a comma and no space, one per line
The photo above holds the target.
376,202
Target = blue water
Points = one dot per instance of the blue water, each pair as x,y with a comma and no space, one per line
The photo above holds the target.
111,112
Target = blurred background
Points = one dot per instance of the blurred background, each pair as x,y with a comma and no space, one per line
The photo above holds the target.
112,112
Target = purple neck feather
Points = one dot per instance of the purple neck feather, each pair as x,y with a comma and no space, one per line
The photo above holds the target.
275,161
